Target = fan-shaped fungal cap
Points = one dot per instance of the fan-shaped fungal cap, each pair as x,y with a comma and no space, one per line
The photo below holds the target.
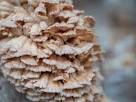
47,49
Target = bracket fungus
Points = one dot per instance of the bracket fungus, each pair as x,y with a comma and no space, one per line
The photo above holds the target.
47,49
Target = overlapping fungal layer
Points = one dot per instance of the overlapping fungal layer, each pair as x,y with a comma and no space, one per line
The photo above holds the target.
47,49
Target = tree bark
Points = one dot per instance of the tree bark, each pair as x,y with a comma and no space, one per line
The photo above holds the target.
8,92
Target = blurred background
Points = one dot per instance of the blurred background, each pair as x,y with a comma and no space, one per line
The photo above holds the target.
116,31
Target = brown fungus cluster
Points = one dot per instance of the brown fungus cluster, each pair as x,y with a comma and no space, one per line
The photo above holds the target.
47,49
